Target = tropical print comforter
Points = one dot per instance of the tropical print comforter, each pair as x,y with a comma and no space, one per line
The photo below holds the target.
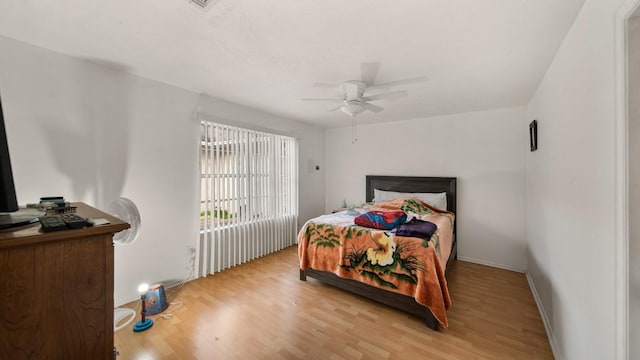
406,265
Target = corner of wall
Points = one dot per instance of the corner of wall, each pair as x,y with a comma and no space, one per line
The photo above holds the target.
545,319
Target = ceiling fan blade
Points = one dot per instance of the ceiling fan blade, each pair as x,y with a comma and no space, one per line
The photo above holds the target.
369,72
412,80
323,100
389,95
372,108
334,109
325,85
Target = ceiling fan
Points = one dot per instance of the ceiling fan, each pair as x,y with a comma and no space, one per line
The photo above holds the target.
355,98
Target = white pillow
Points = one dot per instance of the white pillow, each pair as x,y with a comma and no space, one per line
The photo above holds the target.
437,200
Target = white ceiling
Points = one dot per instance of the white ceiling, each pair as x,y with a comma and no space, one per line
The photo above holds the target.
476,54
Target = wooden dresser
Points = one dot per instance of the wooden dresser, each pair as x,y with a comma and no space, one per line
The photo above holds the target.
56,290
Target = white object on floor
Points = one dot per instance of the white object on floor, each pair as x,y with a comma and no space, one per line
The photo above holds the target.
121,313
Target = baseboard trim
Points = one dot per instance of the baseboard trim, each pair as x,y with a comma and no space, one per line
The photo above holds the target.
545,320
488,263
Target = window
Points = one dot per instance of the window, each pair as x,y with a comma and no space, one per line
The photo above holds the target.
249,193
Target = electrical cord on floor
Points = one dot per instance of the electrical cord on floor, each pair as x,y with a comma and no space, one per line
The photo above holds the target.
169,315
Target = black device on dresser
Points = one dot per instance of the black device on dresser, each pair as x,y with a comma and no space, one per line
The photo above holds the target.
63,222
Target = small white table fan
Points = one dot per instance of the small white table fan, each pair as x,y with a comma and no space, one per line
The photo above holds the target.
125,210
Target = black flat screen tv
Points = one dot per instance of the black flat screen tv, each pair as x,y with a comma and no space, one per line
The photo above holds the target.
8,200
10,214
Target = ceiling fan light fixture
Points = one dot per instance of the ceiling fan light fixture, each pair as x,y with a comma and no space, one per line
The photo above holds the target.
352,107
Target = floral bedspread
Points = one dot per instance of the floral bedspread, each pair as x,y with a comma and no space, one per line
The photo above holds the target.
407,265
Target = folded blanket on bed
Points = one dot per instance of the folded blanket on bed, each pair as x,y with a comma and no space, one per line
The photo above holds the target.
417,228
384,220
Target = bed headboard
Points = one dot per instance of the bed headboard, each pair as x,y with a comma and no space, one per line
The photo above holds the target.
415,184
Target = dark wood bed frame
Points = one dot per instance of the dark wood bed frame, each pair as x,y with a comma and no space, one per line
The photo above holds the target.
405,303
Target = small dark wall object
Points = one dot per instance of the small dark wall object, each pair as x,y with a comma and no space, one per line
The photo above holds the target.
533,135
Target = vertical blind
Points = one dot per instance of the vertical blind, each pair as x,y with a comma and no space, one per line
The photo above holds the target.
249,195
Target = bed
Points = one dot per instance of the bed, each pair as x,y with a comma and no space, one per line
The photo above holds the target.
377,291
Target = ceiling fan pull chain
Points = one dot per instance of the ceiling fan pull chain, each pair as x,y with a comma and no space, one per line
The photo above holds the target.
353,129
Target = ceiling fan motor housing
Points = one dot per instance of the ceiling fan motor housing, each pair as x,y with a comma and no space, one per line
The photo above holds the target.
353,89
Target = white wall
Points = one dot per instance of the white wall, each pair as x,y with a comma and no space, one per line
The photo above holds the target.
571,190
484,150
93,133
634,180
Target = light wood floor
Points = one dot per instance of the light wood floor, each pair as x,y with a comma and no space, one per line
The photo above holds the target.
261,310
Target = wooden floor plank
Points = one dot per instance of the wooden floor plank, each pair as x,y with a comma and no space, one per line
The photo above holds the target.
261,310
